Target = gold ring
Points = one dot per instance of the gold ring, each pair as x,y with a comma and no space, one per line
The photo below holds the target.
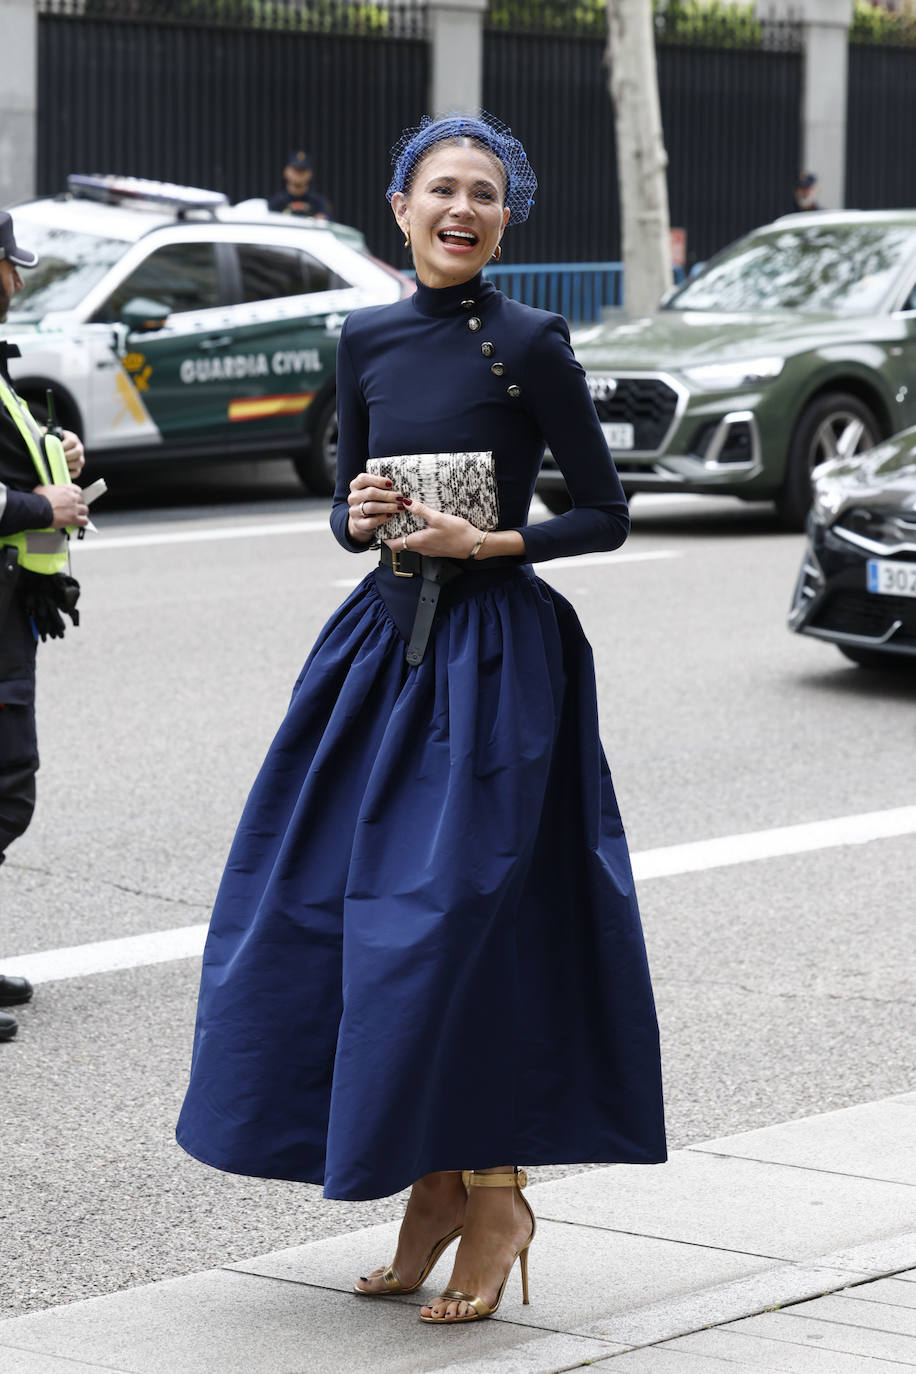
404,545
362,510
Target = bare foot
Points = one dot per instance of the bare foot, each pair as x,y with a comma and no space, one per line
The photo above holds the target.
497,1225
436,1206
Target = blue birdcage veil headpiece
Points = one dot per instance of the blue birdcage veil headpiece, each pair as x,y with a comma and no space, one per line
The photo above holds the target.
490,133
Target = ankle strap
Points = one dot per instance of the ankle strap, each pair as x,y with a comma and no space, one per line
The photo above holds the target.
472,1179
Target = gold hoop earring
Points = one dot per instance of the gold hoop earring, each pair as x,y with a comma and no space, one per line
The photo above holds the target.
497,253
407,237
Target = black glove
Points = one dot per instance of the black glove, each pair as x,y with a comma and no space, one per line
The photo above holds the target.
44,597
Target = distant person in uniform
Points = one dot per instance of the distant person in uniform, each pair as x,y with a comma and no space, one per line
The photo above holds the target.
298,198
38,501
806,189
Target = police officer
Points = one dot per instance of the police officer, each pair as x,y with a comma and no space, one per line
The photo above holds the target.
38,501
298,197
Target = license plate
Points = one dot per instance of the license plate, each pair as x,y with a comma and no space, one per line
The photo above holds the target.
618,436
887,578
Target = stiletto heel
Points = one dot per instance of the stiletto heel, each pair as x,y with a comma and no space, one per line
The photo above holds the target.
482,1309
523,1266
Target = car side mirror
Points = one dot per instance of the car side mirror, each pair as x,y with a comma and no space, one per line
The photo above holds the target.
141,315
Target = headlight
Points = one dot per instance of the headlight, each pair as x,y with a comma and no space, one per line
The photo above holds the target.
742,372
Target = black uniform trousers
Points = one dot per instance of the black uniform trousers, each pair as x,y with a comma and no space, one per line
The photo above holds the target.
18,766
18,741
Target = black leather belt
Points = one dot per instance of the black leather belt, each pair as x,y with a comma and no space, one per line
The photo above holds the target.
435,572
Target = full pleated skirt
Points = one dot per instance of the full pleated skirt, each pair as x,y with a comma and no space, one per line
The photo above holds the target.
426,951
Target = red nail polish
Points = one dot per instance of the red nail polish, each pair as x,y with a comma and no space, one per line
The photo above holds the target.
407,500
388,482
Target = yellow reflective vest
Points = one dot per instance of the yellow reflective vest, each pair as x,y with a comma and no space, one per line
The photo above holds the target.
40,551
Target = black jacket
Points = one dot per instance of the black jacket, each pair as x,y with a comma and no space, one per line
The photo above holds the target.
20,510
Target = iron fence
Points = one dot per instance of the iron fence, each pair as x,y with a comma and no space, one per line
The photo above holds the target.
731,110
581,291
216,92
880,171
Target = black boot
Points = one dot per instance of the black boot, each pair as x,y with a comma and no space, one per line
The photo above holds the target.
8,1026
13,991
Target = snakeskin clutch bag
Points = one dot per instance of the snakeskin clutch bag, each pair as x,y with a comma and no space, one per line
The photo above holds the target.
457,483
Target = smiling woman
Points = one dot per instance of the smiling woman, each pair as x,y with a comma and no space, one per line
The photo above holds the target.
453,215
431,876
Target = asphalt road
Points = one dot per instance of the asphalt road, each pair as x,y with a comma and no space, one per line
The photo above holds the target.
784,986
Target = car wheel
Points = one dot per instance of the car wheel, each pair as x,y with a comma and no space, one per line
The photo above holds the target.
835,425
317,466
876,660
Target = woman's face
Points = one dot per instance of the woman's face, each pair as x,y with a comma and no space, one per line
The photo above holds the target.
454,212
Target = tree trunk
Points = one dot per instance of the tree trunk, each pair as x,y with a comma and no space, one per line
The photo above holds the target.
641,157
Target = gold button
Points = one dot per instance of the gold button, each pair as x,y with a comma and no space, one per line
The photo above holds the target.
488,349
498,369
473,324
468,305
514,391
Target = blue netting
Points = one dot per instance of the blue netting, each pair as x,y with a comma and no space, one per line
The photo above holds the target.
521,183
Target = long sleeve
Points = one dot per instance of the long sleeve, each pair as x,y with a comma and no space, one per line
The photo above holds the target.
23,510
559,399
352,442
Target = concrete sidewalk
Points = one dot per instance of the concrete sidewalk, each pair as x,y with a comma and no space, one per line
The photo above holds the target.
670,1270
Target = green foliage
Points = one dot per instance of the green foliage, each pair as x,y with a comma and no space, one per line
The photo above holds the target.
549,16
708,22
714,23
313,16
873,24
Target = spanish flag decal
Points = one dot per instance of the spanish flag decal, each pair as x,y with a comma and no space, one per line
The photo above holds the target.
264,407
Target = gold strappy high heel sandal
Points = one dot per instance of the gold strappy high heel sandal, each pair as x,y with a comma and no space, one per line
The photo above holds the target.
390,1276
482,1309
392,1281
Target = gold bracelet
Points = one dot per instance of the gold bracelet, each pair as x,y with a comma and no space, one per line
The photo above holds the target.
479,545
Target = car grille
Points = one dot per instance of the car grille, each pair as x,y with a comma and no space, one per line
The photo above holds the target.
646,403
861,613
893,529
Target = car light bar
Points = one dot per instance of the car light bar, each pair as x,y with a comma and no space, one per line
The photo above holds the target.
115,190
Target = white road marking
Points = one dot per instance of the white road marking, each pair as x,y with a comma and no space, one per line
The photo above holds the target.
584,560
772,844
98,543
107,956
186,942
593,560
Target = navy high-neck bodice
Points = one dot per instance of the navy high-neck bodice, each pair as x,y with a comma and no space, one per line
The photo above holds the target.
464,369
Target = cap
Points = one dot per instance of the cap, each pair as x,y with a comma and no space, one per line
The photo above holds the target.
299,159
805,181
9,248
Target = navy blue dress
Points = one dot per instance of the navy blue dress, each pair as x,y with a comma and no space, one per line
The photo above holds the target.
426,951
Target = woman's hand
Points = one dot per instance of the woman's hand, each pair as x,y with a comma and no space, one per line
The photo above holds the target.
372,501
443,536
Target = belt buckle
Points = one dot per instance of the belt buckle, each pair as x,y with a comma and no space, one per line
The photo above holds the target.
396,565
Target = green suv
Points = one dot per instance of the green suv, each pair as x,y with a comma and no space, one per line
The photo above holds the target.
795,345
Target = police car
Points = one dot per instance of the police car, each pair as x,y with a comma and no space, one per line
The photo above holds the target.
168,323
